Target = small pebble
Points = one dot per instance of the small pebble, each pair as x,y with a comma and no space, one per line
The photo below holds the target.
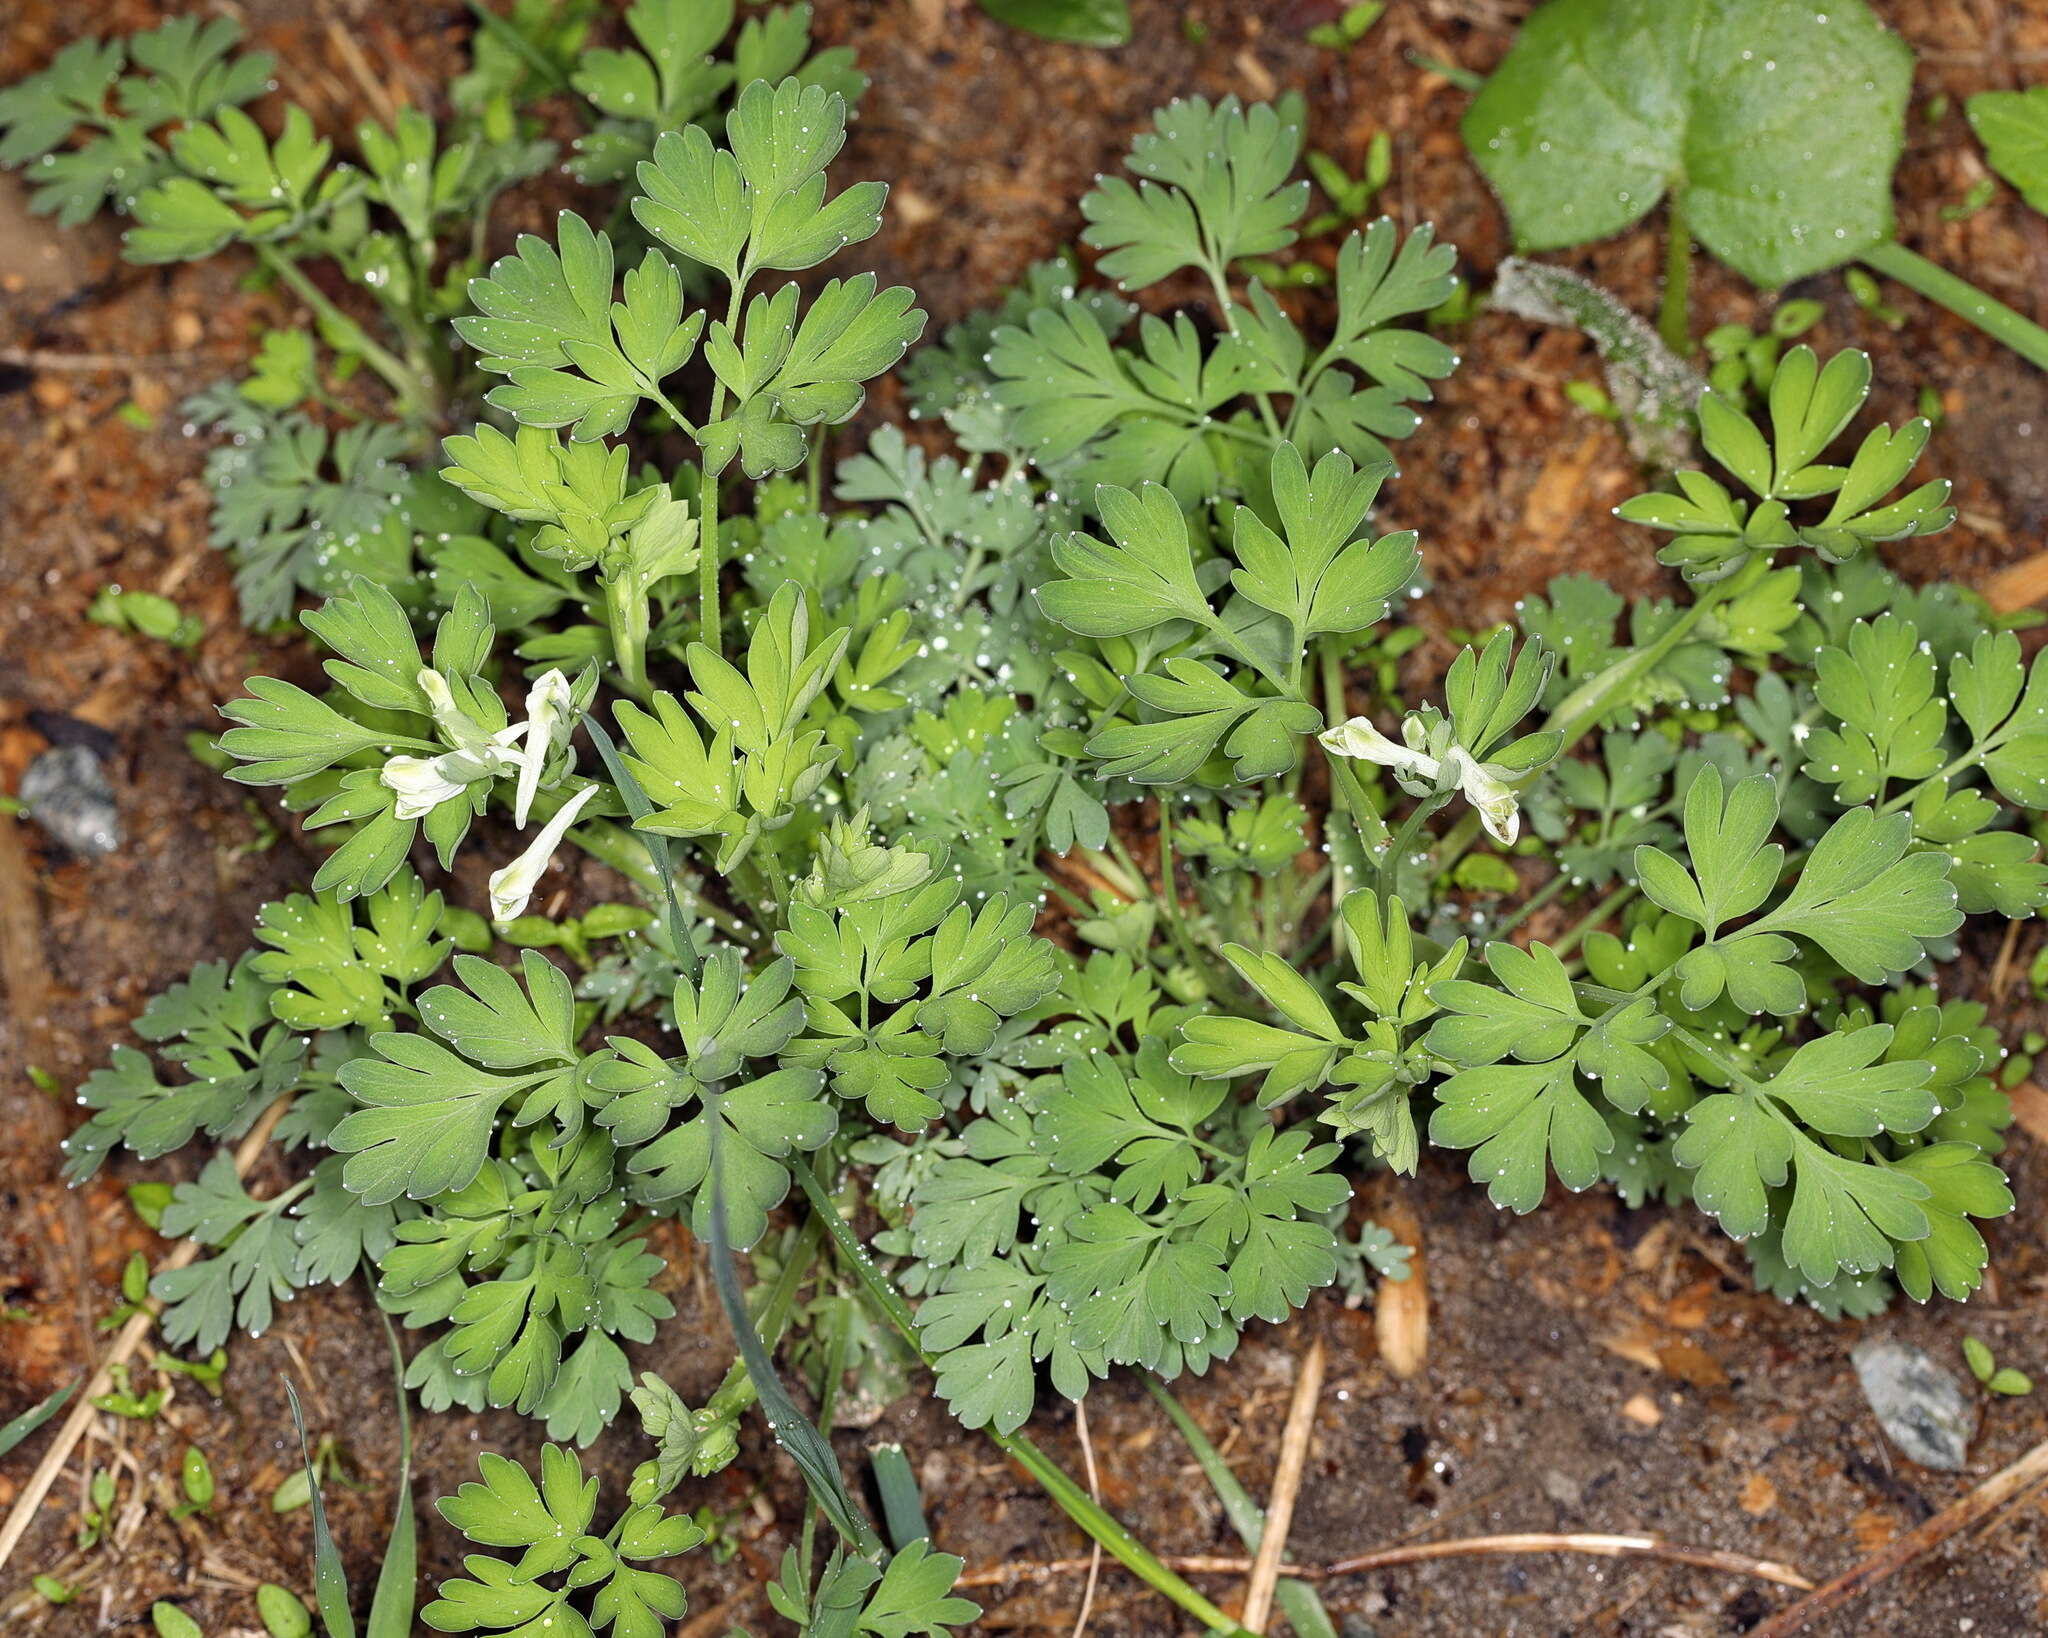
66,792
1921,1407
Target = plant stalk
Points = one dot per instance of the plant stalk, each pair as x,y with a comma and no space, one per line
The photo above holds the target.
1674,311
419,397
1961,298
625,611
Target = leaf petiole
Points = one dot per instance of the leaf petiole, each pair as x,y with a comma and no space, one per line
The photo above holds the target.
1961,298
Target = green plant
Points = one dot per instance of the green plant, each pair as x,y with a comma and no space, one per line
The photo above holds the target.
1647,892
2013,126
1078,22
1603,109
1996,1378
1350,27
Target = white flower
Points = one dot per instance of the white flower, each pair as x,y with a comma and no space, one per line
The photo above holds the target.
547,716
490,753
513,884
442,700
1494,799
422,784
1359,739
1421,774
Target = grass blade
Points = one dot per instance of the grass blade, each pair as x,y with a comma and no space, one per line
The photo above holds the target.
902,1501
35,1416
330,1580
793,1431
398,1578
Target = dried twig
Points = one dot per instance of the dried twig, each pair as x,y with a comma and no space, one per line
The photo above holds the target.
1002,1575
2001,969
50,359
1603,1546
1095,1492
352,58
1294,1439
125,1346
718,1618
1987,1498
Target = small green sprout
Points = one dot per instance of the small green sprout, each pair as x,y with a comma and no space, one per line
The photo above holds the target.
1349,28
1999,1379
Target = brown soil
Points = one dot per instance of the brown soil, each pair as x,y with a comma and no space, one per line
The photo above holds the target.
1589,1368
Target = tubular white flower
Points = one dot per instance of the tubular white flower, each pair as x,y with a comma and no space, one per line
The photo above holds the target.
421,783
513,884
547,715
1495,801
1422,773
491,753
1360,740
447,714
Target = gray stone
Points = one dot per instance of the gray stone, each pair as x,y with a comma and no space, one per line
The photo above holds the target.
1921,1407
66,792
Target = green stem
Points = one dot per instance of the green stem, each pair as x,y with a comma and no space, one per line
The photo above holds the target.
509,36
1351,795
1962,298
418,395
736,1395
625,611
1334,712
710,627
1214,974
1674,312
1594,917
616,845
1579,710
1411,827
1095,1520
1226,312
1534,902
712,630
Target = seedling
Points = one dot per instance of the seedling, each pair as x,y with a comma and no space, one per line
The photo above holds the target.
1350,27
195,1474
147,613
1996,1378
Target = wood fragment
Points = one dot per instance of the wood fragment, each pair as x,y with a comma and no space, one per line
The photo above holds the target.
1294,1442
1400,1308
2030,1470
125,1345
2002,968
2030,1110
2018,587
